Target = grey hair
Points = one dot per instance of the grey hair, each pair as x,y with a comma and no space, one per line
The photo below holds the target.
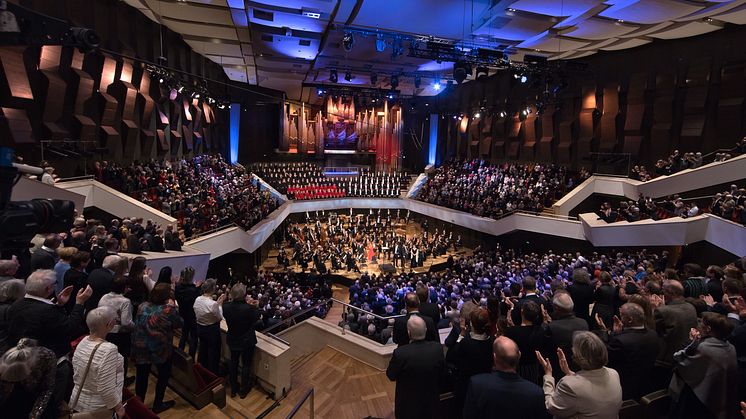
563,301
238,292
98,318
8,266
38,283
18,362
588,351
634,312
111,262
12,290
581,276
208,287
416,327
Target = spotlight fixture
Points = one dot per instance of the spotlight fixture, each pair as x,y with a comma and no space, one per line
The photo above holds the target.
417,82
503,114
320,92
160,80
436,86
380,43
394,81
333,77
454,116
461,71
477,115
390,95
373,78
348,41
180,89
460,117
348,75
85,39
524,78
526,111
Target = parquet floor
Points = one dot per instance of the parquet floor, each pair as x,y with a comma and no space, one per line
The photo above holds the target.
344,389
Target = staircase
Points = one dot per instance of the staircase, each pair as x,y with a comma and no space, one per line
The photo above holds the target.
547,212
405,189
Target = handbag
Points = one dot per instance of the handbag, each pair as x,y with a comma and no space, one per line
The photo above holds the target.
102,413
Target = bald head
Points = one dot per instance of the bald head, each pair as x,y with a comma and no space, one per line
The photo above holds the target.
416,327
411,301
505,354
563,302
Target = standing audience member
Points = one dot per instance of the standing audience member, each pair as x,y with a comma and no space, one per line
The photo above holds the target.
46,256
152,343
426,307
76,276
473,353
633,349
592,392
241,318
528,290
530,337
139,282
208,314
606,299
417,369
8,269
100,279
673,321
706,373
99,368
186,293
27,381
582,294
503,393
121,333
10,292
62,266
561,329
401,330
37,317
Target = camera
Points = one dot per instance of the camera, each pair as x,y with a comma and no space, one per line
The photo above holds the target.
20,221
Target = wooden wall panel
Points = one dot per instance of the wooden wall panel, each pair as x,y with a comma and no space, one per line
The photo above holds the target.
546,143
660,134
515,126
730,110
586,126
499,137
608,124
528,147
694,116
635,114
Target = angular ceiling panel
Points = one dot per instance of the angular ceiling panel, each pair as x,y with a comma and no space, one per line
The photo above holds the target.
649,11
201,29
626,43
686,30
599,29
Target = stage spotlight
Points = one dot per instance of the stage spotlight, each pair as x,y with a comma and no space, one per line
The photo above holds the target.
454,116
526,111
348,75
348,41
482,72
417,82
319,92
333,77
394,81
477,115
503,114
160,80
436,86
373,78
524,79
390,95
460,117
461,71
380,43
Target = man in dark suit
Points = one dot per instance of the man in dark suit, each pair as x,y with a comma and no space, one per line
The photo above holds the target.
401,336
673,320
36,316
503,393
632,351
426,307
241,336
561,328
100,280
45,257
417,369
529,294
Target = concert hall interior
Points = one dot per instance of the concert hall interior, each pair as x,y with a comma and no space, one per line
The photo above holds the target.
363,209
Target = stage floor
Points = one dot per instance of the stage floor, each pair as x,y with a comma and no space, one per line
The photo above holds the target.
410,229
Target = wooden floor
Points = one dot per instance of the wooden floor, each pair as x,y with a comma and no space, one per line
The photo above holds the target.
344,389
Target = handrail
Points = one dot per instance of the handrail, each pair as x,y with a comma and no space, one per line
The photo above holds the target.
70,179
214,230
294,316
273,336
309,394
720,150
365,311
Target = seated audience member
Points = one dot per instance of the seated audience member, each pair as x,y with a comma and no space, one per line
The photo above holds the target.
705,382
27,381
186,292
208,314
401,334
417,369
530,337
152,343
121,334
632,349
99,368
473,353
502,393
561,328
594,391
241,318
10,291
8,269
37,317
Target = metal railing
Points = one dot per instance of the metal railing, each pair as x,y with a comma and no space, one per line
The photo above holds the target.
73,178
290,321
310,395
214,230
351,307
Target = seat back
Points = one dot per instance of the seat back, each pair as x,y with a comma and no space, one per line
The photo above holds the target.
183,371
630,410
656,405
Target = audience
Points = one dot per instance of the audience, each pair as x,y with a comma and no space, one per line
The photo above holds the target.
11,291
121,333
401,331
185,293
241,316
472,354
27,381
208,314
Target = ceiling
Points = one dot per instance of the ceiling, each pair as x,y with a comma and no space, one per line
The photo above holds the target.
276,44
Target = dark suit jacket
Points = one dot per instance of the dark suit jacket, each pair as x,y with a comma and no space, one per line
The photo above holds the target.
632,353
241,319
673,322
41,259
559,334
133,244
431,310
535,298
417,369
100,281
78,280
582,297
503,395
185,294
401,336
47,323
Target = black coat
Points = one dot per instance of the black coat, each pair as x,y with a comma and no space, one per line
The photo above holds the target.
503,395
417,369
535,298
431,310
582,298
100,281
78,280
401,336
632,353
41,259
185,294
559,334
47,323
470,357
241,319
